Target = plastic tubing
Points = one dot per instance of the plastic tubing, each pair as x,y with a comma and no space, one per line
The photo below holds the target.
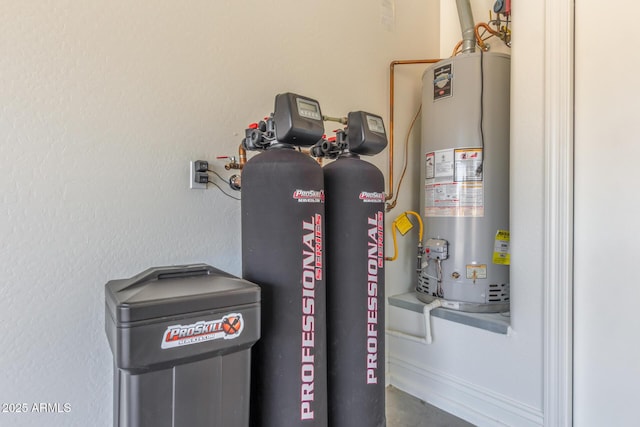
426,313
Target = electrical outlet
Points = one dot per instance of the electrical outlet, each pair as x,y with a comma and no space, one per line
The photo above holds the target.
193,182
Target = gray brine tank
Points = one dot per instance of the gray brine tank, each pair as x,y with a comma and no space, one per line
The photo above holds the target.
355,204
181,338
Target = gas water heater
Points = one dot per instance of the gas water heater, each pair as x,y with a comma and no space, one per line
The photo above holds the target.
465,182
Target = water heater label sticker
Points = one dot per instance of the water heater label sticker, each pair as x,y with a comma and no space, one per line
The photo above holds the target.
501,250
476,271
430,169
442,82
443,168
456,188
468,164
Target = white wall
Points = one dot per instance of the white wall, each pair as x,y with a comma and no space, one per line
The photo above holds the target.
607,202
102,106
484,377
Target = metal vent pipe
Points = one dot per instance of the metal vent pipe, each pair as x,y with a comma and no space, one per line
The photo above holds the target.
467,25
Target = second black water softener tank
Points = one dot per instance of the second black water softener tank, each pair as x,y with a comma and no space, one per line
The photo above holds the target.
355,203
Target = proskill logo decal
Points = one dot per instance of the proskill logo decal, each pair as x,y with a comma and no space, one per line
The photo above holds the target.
229,327
309,196
368,197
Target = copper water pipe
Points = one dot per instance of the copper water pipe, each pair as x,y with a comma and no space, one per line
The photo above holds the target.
455,49
481,42
391,111
242,155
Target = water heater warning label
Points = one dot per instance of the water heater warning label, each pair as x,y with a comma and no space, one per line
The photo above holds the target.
501,251
454,184
468,164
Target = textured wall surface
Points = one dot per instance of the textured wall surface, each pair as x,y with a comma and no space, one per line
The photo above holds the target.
102,105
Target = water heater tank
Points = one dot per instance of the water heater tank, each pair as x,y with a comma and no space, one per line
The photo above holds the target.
465,182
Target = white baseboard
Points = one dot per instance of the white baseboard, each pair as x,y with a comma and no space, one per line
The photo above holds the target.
468,401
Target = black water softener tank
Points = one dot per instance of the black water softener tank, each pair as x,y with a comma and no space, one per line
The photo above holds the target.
283,252
355,277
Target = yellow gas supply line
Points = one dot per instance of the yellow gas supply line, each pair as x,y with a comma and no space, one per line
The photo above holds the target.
403,224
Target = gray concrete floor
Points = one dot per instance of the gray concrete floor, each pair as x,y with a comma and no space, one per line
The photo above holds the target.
404,410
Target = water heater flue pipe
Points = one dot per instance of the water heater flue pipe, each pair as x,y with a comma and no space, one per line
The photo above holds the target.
467,25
